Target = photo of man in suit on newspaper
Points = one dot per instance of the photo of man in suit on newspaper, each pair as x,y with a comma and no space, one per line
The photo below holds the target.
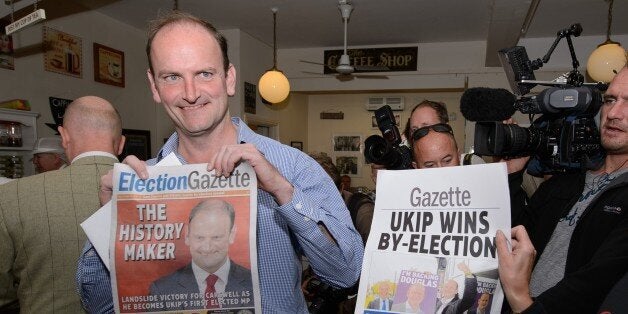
212,279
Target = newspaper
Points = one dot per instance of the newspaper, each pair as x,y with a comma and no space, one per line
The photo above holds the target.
432,243
184,240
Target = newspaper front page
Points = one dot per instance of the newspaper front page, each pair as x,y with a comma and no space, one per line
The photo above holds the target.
432,243
184,240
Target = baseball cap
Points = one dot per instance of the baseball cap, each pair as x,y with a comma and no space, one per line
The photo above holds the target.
48,145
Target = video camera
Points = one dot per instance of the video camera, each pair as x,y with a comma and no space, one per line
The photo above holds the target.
565,138
387,150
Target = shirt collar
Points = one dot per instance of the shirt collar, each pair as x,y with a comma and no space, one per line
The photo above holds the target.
245,135
222,273
94,153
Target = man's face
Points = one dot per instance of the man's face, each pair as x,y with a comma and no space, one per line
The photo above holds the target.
435,150
189,78
450,288
483,301
46,162
421,117
416,293
345,182
614,118
209,236
384,289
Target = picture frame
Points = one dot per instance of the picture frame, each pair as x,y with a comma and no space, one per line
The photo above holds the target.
63,53
351,142
7,61
109,65
350,164
250,98
297,145
137,143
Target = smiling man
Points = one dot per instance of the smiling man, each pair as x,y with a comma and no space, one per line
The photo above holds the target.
300,211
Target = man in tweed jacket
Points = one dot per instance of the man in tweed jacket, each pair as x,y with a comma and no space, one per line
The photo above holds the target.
40,236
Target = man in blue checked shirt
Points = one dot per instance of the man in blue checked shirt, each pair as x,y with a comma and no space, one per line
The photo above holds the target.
299,208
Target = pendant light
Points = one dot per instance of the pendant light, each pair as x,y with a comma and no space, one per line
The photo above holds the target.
273,85
609,57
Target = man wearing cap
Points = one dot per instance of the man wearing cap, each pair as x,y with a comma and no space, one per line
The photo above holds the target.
40,236
48,154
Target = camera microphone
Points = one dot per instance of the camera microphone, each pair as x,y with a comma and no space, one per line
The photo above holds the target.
487,104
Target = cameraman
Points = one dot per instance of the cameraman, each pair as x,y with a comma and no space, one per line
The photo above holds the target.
578,224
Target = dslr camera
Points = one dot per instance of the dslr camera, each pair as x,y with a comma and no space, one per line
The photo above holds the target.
387,150
565,138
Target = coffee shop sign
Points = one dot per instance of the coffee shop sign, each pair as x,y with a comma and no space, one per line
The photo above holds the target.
381,59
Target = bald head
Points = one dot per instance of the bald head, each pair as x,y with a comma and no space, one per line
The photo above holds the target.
91,123
435,150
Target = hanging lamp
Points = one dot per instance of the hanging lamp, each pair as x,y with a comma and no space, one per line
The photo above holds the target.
273,85
609,57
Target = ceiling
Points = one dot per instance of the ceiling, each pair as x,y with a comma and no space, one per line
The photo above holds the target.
317,23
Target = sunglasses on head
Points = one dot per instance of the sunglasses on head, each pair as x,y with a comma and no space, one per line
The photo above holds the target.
423,131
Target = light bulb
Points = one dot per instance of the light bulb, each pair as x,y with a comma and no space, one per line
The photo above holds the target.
274,86
606,58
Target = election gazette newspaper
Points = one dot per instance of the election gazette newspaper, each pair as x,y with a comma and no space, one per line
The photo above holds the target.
432,243
184,240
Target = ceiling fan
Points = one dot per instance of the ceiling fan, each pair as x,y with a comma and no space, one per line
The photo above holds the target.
344,68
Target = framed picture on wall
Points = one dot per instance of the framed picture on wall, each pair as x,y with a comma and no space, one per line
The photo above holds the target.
137,143
346,142
6,52
63,53
297,145
250,97
108,65
349,164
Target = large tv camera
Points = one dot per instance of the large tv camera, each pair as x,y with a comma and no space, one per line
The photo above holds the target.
387,150
565,138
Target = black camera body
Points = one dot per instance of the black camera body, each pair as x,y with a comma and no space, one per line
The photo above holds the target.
326,298
387,150
565,138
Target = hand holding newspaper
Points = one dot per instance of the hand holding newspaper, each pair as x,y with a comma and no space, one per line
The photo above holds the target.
432,243
184,239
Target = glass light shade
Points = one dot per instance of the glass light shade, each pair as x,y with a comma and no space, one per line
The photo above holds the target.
274,86
606,58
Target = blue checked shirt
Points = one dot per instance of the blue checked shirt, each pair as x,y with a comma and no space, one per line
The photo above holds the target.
283,233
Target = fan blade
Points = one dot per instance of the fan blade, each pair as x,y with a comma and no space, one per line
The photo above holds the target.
344,77
312,62
371,68
309,72
364,76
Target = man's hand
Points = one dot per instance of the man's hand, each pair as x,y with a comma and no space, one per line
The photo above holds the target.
464,268
268,177
106,181
515,267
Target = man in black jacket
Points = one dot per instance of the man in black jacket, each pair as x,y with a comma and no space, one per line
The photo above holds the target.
578,224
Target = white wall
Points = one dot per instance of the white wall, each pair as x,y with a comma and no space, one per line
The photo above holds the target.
441,65
29,80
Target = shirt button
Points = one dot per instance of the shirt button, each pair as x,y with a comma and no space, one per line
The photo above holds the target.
306,219
298,206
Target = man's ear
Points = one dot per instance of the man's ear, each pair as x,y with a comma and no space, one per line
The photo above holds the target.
65,137
153,87
120,147
414,165
232,234
231,80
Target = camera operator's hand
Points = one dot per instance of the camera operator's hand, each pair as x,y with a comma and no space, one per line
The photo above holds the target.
512,164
